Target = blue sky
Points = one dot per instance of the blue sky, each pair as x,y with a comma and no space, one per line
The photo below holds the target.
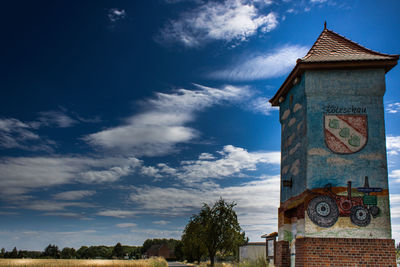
118,119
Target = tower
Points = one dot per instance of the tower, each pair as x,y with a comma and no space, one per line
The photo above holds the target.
334,202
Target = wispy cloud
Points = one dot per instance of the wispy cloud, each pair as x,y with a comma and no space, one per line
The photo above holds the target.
74,195
21,174
162,222
117,213
233,160
393,108
261,105
162,125
267,65
126,225
116,14
54,118
257,202
17,134
229,20
393,145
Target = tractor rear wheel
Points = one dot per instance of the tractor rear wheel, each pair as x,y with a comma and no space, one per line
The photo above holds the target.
323,211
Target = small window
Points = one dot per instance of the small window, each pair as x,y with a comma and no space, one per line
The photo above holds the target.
291,102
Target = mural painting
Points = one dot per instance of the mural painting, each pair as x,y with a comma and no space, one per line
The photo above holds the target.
325,209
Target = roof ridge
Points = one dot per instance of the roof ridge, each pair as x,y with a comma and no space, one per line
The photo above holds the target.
327,34
361,46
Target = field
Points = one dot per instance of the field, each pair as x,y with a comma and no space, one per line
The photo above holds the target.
78,263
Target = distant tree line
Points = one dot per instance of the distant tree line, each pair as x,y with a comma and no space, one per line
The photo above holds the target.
213,233
53,252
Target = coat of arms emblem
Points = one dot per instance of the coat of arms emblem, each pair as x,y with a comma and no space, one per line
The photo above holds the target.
346,134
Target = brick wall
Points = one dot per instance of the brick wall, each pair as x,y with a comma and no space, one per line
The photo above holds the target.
282,254
345,252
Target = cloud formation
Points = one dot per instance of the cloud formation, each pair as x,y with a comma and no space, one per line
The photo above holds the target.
162,125
257,201
229,20
264,66
19,175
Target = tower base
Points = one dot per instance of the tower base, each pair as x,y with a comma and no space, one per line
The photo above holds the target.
311,251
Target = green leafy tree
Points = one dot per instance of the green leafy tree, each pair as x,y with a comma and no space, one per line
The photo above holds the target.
68,253
51,251
81,252
2,253
118,251
14,253
193,245
220,230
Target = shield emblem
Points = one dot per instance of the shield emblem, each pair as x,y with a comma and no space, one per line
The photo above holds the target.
346,134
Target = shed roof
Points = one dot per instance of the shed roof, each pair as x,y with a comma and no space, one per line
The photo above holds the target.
334,51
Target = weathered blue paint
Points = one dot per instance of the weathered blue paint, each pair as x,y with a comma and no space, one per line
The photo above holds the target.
293,141
345,88
310,164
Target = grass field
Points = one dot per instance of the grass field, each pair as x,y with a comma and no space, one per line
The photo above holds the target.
156,262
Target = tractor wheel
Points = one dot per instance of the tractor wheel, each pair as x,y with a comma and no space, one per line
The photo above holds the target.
323,211
374,210
360,216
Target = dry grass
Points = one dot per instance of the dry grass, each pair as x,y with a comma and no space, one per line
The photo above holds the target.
155,262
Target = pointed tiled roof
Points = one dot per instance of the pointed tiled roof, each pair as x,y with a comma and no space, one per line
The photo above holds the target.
331,46
334,51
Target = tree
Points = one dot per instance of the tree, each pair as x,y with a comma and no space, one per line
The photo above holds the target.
193,246
14,253
118,251
2,253
68,253
219,229
51,251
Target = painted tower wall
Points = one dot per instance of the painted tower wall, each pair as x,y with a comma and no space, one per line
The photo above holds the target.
335,98
293,164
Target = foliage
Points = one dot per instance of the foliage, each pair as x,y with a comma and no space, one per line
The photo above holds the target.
217,228
171,243
51,251
68,253
118,251
260,262
156,262
193,246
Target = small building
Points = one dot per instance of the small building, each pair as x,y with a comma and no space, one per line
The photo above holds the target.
252,251
270,243
160,251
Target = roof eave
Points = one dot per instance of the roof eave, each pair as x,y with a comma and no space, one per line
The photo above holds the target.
301,66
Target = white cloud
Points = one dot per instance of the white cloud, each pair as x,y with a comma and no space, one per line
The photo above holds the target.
117,213
261,105
115,14
318,1
393,144
17,134
393,108
257,201
206,156
395,175
267,65
229,20
162,222
56,118
44,205
74,195
162,125
233,161
126,225
19,175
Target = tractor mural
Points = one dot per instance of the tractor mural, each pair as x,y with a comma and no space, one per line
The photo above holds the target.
325,209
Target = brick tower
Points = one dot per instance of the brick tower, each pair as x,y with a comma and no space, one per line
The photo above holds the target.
334,203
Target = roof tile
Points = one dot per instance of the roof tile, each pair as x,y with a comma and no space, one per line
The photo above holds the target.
331,46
